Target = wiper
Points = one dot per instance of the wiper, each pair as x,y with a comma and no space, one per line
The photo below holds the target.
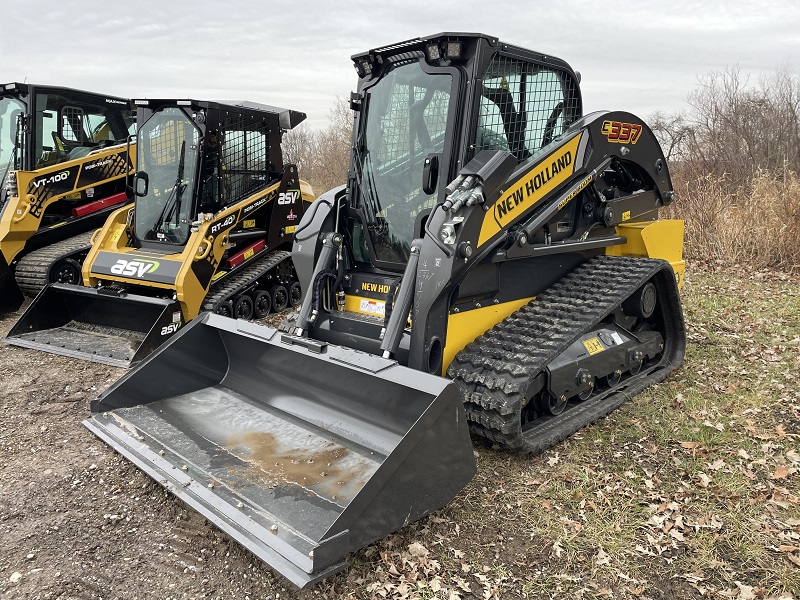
174,200
372,197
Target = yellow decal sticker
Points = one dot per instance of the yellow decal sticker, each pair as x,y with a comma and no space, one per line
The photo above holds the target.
626,215
249,253
379,288
218,275
57,225
542,179
74,196
593,345
249,223
117,234
290,229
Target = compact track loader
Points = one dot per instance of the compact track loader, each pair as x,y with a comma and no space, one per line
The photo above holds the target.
495,264
210,229
63,164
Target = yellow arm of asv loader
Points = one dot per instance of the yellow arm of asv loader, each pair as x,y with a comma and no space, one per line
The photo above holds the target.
39,189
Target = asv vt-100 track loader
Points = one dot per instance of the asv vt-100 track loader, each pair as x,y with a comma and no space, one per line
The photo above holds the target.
494,250
63,163
210,229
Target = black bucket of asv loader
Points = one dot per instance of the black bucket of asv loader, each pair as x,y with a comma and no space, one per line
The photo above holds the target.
301,453
82,322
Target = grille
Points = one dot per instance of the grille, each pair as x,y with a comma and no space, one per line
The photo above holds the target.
245,156
523,106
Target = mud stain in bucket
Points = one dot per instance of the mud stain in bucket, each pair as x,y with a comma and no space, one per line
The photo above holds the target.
319,469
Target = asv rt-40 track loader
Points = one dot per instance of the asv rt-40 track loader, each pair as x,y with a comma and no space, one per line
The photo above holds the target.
494,250
63,163
210,229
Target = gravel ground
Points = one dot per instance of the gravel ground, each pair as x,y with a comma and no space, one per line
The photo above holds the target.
79,521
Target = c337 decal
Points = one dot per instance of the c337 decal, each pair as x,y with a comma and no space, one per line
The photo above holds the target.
618,132
546,176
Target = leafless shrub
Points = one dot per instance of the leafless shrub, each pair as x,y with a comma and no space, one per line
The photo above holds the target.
735,156
322,156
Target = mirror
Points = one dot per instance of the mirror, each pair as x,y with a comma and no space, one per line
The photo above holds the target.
140,183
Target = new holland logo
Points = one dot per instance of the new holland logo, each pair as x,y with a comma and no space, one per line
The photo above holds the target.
134,268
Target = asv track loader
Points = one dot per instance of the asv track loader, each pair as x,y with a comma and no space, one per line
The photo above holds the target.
210,229
63,163
495,264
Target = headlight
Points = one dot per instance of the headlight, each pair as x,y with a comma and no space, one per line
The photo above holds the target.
11,184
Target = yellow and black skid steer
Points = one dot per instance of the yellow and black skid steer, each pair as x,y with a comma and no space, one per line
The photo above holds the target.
494,265
63,167
210,229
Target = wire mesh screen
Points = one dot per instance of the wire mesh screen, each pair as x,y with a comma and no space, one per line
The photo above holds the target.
245,156
72,124
414,123
523,106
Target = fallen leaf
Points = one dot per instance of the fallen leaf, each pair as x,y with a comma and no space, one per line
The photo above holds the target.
780,431
785,548
602,558
691,445
417,549
704,479
782,472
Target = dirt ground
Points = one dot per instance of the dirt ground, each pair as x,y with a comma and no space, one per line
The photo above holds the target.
79,521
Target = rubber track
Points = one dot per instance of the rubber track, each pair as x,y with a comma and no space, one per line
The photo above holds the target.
32,269
495,370
248,276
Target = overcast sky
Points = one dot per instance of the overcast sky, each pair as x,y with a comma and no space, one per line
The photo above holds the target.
637,56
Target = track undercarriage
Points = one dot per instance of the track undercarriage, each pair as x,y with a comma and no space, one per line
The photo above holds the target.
579,350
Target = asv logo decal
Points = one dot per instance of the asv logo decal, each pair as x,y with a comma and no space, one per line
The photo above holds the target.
170,329
288,197
134,268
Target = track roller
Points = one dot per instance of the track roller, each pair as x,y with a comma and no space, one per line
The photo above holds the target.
262,304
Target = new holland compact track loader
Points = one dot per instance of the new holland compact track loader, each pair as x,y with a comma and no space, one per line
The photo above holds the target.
495,264
210,229
63,164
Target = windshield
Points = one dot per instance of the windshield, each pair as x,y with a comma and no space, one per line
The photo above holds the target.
10,109
167,152
405,121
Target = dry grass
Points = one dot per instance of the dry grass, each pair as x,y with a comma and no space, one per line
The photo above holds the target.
757,227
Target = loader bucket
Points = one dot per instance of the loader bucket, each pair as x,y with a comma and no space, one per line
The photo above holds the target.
300,451
81,322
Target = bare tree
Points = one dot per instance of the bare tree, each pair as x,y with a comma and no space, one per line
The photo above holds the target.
322,156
